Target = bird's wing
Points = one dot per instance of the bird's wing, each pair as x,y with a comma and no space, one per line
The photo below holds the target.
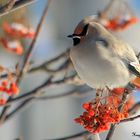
128,56
134,68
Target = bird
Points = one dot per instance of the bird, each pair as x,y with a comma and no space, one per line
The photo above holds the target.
100,58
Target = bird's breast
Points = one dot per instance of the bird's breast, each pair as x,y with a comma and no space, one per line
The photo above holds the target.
99,69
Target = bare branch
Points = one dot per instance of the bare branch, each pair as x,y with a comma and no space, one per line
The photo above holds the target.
82,134
134,109
30,96
113,126
14,5
19,108
27,58
38,94
29,53
107,8
8,6
130,119
45,66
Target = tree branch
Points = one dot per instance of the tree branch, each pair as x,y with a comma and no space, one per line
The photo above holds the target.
14,5
82,134
113,126
78,91
32,95
24,68
45,66
130,119
8,6
134,109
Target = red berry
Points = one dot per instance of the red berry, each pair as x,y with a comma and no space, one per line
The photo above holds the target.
2,101
4,83
79,120
86,106
91,112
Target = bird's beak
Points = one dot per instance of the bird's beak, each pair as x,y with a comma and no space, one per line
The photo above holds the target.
74,36
76,39
70,36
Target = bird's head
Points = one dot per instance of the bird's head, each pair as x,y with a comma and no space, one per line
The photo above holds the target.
87,29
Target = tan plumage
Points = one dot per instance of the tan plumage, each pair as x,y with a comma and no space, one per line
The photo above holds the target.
100,58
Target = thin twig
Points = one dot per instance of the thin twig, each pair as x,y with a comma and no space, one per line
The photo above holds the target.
5,9
27,101
130,119
82,134
19,108
20,138
78,91
113,126
29,53
134,109
27,59
45,65
33,93
30,97
8,6
107,8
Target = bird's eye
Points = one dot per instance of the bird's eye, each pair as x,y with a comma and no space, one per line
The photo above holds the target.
76,41
103,42
77,37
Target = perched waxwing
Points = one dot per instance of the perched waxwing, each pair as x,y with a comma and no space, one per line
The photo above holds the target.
100,58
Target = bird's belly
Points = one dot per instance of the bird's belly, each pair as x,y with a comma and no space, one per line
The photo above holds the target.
99,72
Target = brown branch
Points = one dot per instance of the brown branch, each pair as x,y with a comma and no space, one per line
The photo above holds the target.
13,5
30,96
104,12
34,93
19,108
113,126
8,6
35,96
82,134
78,91
134,109
27,101
20,138
38,91
130,119
107,8
45,66
26,60
29,53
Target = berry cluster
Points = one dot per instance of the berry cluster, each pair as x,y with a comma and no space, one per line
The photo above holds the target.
98,119
117,24
7,88
14,32
99,114
18,30
12,45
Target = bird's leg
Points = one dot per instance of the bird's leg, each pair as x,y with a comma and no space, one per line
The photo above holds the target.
98,93
124,98
108,89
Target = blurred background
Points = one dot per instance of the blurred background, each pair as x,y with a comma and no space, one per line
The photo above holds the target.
50,119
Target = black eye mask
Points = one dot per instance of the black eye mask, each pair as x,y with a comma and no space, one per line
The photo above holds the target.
77,37
76,41
84,32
